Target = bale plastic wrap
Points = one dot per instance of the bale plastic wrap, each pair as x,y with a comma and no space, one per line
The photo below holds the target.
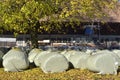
103,62
54,62
114,53
79,60
40,57
15,60
117,52
69,53
32,54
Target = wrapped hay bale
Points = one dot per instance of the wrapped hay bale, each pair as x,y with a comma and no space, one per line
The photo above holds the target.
32,54
103,62
69,53
54,62
79,60
117,52
116,55
40,57
1,55
89,51
15,60
71,57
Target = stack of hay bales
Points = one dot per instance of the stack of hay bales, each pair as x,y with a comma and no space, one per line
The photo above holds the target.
15,60
97,61
50,61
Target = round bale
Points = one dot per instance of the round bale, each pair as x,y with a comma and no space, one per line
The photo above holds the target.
15,60
117,52
69,53
54,62
79,60
103,63
40,57
32,54
114,53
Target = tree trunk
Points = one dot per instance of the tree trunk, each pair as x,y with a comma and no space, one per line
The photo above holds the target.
34,39
34,35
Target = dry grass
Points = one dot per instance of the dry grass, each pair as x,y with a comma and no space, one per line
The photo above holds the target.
72,74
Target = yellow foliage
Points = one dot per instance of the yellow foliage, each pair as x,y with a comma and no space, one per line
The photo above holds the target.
73,74
89,9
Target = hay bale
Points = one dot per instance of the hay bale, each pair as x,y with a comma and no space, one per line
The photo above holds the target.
15,60
103,62
54,63
117,52
113,53
72,57
69,53
79,60
40,57
32,54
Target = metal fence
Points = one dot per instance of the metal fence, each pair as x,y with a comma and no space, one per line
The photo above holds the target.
107,40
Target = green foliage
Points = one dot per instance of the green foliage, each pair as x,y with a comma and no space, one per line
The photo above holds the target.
87,10
23,15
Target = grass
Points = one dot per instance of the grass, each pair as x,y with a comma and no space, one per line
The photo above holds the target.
72,74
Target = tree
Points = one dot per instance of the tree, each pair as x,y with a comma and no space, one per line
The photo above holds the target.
23,16
87,10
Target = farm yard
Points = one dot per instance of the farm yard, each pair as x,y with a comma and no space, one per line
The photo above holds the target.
59,40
